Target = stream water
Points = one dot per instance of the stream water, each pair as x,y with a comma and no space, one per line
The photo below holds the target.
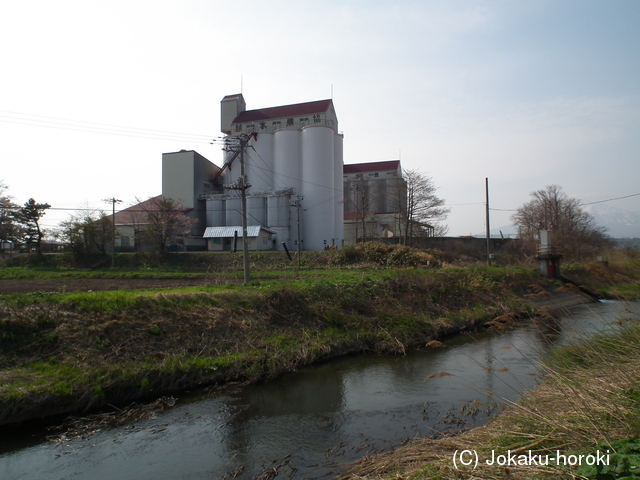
311,422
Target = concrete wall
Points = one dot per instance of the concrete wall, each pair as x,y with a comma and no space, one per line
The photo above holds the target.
185,176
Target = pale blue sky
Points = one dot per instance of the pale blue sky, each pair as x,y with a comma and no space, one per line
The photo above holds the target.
526,93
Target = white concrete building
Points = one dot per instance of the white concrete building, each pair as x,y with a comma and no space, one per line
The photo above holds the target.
187,176
375,194
295,152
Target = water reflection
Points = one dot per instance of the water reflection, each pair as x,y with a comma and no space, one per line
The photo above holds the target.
307,424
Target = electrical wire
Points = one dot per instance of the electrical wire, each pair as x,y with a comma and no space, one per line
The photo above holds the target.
100,128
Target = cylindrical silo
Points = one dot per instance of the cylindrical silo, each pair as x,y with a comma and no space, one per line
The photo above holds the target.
232,171
338,185
256,211
317,186
278,219
278,211
259,163
287,159
215,212
233,212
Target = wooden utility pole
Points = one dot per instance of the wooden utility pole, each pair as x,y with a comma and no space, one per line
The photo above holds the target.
113,202
486,186
242,185
243,192
298,204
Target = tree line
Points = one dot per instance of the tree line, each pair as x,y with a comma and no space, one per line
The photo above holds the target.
158,221
155,222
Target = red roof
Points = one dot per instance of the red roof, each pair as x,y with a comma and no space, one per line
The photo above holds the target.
308,108
372,167
137,213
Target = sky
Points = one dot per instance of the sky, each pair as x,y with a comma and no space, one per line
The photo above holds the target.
523,93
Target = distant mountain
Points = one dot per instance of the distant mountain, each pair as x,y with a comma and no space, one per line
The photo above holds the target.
620,223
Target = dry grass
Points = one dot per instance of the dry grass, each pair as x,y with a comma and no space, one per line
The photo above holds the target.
587,397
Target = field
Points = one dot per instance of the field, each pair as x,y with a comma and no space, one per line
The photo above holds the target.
76,339
8,287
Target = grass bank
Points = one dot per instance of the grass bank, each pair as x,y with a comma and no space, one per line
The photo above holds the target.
588,403
64,352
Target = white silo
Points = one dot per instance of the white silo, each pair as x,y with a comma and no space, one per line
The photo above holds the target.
259,162
215,212
232,171
279,219
338,186
233,211
287,159
256,211
317,187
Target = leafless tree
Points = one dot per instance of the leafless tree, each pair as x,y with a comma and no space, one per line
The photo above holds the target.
423,211
361,200
163,220
87,231
575,231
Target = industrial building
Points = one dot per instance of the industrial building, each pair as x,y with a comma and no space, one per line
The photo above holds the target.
294,167
375,194
299,187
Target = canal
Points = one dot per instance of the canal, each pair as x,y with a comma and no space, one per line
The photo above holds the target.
309,423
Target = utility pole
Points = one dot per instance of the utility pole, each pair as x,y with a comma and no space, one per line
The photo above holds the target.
242,185
113,202
298,206
486,186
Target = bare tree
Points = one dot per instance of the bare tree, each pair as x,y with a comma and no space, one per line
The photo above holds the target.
163,220
574,230
361,204
87,231
423,210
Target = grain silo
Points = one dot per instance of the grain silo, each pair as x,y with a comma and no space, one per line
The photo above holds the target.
292,151
317,187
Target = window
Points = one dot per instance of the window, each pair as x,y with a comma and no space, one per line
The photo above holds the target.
217,241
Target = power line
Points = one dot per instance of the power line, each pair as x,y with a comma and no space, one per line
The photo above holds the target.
611,199
101,128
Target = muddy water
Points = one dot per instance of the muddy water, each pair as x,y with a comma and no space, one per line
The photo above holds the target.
309,423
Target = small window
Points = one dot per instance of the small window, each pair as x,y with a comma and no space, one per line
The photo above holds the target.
217,241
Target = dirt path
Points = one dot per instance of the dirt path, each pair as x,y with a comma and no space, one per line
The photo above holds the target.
95,284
